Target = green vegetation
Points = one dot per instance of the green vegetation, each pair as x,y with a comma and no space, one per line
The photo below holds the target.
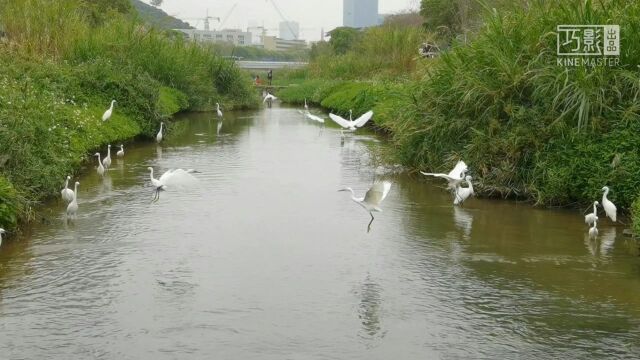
256,53
56,81
530,128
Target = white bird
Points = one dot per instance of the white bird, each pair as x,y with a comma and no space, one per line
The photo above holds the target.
269,97
159,136
100,167
67,194
351,124
171,178
314,117
306,107
372,199
219,111
1,232
591,218
593,231
72,208
107,160
607,205
120,152
462,194
454,177
107,114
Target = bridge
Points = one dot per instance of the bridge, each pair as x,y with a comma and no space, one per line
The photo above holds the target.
266,65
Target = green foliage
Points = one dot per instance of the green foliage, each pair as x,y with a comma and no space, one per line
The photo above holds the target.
635,212
10,204
343,39
171,101
256,53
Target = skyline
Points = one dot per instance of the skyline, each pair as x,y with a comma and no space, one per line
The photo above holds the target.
326,14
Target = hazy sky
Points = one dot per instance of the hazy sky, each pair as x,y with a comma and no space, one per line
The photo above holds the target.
311,14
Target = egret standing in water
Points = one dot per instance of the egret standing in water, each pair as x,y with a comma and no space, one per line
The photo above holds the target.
107,160
100,167
72,208
306,107
372,199
107,114
462,194
593,231
1,232
593,217
352,124
219,111
172,177
454,177
607,205
120,152
67,194
159,136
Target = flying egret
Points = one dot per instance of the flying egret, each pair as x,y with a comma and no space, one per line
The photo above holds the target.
351,124
591,218
172,177
306,107
120,152
314,117
372,199
462,194
72,208
593,231
67,194
107,114
1,232
269,98
454,177
607,205
107,160
100,167
219,111
159,136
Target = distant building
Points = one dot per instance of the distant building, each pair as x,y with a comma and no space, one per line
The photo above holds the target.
234,36
256,34
360,13
274,43
289,30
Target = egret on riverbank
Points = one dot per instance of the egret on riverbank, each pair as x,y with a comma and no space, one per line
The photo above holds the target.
1,232
67,194
607,205
107,114
107,160
372,199
462,194
172,177
351,124
72,208
219,111
593,231
593,217
314,118
454,177
159,136
100,167
120,152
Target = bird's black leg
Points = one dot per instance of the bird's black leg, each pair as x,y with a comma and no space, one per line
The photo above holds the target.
370,222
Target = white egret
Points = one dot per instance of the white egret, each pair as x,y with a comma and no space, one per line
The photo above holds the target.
72,208
454,177
593,231
269,98
351,124
372,199
172,177
159,136
107,114
314,117
306,107
100,167
591,218
120,152
219,111
462,194
607,205
1,232
67,194
107,160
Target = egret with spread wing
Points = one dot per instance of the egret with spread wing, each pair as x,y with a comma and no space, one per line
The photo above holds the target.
269,97
462,194
314,117
372,199
454,177
171,178
351,124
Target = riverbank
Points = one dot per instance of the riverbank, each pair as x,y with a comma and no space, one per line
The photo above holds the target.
57,82
529,129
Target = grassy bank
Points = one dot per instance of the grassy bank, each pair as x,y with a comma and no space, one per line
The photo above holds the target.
529,128
56,81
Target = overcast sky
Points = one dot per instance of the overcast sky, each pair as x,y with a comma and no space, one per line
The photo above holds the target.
311,14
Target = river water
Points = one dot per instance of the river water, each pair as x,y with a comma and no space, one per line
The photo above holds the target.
264,259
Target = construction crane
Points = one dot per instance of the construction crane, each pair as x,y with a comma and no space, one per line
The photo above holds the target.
226,17
206,20
295,35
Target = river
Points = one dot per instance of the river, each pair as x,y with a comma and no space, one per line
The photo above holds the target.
265,259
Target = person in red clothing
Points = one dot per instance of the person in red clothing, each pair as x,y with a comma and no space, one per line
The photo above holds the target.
258,82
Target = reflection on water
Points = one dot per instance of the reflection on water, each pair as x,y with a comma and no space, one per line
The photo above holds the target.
267,260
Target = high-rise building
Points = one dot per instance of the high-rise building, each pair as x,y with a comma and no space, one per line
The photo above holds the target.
289,30
360,13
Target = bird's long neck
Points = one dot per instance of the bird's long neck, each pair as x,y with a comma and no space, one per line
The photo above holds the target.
606,192
108,151
594,208
99,162
470,185
75,192
66,184
161,125
111,107
151,175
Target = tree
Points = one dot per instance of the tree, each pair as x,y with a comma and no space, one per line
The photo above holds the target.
344,39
